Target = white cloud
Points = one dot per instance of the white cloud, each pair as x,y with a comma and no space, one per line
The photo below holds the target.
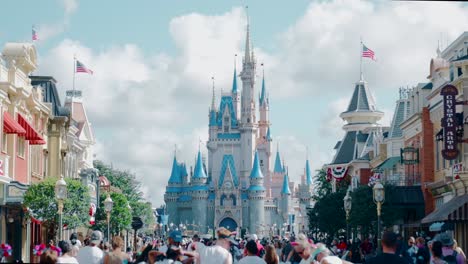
49,30
142,104
70,6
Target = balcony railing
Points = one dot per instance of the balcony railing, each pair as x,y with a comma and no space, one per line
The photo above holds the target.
403,179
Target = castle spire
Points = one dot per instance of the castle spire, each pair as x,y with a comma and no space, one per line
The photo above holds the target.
285,189
199,171
308,174
262,95
256,172
247,58
234,80
278,166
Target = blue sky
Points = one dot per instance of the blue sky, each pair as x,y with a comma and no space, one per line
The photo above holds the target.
153,63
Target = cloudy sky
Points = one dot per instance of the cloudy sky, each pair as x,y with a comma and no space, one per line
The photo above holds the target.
154,59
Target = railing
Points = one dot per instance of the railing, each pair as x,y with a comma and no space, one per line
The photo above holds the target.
403,180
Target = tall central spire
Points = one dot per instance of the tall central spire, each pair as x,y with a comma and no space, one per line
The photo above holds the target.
247,38
213,99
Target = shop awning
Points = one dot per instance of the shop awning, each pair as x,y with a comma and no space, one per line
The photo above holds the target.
389,163
453,210
31,134
10,126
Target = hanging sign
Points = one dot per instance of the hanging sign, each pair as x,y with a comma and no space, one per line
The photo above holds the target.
449,122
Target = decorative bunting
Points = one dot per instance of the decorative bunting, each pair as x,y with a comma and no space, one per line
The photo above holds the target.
338,173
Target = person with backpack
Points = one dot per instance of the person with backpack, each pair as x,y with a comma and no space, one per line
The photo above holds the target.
448,254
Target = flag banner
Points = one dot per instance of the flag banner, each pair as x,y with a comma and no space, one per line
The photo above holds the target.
80,67
374,178
367,53
34,35
337,172
457,168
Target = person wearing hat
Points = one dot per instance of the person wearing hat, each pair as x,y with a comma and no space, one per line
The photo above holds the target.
448,254
174,239
321,254
91,254
219,252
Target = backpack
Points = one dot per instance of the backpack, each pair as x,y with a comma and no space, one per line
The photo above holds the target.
451,259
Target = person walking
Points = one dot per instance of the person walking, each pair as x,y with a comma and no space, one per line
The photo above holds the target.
436,250
91,254
117,245
388,256
448,254
270,256
422,255
219,252
252,252
67,253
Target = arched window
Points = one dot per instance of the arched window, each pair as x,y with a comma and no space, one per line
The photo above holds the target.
233,197
222,199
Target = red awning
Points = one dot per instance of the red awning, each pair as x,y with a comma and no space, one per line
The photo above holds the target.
37,142
31,133
10,126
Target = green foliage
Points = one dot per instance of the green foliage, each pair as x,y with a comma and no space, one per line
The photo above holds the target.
120,217
328,215
130,187
40,199
322,186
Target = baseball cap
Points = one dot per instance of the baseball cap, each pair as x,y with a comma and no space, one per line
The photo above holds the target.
226,234
176,236
96,237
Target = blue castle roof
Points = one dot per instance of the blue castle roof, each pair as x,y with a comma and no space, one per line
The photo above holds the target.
268,135
256,172
199,171
176,172
228,161
262,99
308,174
285,189
226,100
234,82
278,167
212,118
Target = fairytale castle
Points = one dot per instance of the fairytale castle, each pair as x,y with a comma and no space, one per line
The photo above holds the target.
238,188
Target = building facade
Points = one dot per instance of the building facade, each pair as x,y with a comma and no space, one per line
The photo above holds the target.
237,187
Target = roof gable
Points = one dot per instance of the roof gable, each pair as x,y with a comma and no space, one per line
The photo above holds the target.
226,103
228,162
345,153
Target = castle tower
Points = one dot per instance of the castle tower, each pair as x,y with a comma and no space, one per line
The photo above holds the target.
264,140
256,194
200,193
235,92
264,104
285,198
173,191
277,176
248,127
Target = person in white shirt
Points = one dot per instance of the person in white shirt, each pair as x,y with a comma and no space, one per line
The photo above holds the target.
218,253
323,255
251,257
91,254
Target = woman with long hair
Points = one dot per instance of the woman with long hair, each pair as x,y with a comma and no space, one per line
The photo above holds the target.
270,256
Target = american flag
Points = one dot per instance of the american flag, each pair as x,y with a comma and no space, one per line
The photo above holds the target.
80,67
34,34
367,53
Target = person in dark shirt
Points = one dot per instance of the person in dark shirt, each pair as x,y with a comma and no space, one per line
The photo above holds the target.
389,245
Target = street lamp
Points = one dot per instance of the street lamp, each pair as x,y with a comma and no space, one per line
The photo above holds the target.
130,209
108,204
347,207
379,198
60,195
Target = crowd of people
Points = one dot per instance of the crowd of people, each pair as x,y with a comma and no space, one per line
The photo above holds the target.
227,249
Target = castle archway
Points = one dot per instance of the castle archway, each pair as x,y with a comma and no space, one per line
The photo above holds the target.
228,223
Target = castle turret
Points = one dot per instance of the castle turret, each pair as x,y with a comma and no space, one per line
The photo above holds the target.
200,193
256,199
235,93
173,190
285,198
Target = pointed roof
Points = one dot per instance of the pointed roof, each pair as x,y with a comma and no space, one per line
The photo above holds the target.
268,135
278,167
199,171
175,173
234,81
308,174
262,95
401,112
256,172
285,189
247,58
362,99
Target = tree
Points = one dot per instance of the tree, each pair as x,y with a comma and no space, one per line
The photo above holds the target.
120,217
40,199
328,216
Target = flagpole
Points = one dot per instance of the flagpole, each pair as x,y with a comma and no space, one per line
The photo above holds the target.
74,71
360,64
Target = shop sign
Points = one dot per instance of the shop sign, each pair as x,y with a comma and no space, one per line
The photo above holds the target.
449,122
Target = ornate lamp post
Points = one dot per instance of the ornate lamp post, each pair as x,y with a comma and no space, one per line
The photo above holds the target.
60,195
347,207
379,198
108,204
